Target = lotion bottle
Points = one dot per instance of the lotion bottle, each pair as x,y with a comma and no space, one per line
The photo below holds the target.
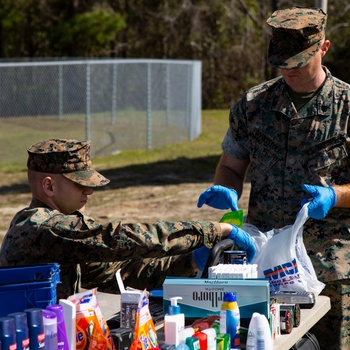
259,334
174,323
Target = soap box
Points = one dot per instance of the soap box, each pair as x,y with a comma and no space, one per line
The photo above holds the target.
203,297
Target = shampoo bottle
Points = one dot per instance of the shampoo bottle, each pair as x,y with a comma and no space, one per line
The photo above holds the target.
62,340
259,334
230,319
50,329
174,322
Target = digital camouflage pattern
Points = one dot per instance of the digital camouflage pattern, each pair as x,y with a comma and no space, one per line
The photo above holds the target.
89,253
297,34
333,327
287,148
71,158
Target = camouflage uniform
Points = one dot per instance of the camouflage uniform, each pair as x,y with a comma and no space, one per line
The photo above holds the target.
89,252
287,148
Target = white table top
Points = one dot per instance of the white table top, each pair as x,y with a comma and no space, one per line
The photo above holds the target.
308,318
110,305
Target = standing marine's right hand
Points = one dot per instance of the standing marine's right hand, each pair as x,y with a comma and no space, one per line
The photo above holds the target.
219,197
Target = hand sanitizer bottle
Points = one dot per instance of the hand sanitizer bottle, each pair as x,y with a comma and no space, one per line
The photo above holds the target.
174,322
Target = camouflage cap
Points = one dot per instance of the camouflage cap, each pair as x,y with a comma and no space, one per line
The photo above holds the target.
70,158
297,34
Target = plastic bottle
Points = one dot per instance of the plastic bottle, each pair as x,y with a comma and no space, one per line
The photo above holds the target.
193,343
211,336
259,336
7,333
203,340
70,315
185,333
22,332
182,346
62,340
50,330
174,322
222,339
36,328
230,319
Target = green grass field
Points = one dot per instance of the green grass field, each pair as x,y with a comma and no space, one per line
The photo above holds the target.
17,134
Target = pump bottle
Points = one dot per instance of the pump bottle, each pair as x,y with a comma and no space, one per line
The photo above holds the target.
174,322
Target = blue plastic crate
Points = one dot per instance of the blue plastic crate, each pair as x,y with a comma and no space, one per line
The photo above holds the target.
28,273
25,287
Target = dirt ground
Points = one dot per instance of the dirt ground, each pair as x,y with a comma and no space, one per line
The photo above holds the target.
165,193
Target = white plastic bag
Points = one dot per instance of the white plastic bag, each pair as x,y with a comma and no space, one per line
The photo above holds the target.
282,257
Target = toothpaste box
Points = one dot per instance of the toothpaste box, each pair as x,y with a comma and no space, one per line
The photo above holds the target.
203,297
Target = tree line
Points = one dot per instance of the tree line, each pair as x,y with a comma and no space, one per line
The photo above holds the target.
229,37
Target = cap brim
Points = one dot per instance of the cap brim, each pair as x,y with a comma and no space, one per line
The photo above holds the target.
89,178
287,59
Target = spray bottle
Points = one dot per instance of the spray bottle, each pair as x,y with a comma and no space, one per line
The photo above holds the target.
36,328
8,333
174,322
230,319
22,331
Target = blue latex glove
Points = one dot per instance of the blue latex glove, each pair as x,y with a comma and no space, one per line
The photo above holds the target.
244,242
219,197
323,199
201,256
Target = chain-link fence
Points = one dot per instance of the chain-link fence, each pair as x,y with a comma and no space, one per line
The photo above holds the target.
117,104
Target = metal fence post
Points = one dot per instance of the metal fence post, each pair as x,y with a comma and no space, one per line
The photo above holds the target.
87,121
168,97
60,91
149,107
114,93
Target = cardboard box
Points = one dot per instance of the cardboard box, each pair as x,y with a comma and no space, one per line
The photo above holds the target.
203,297
129,301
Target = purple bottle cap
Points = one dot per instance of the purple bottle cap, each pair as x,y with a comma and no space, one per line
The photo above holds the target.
58,310
49,317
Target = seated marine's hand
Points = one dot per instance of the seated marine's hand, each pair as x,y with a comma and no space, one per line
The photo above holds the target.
244,242
219,197
201,256
323,199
